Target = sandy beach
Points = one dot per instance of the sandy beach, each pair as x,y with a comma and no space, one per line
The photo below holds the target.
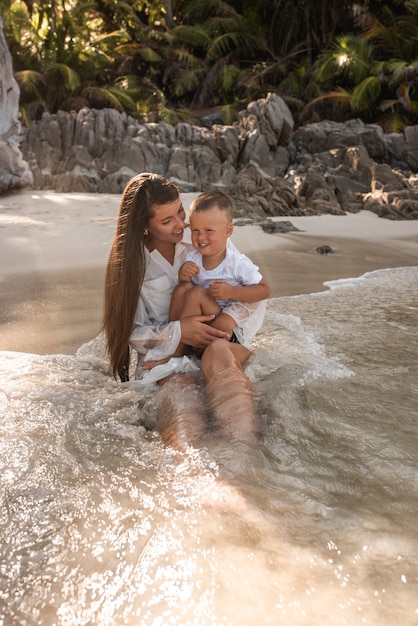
54,249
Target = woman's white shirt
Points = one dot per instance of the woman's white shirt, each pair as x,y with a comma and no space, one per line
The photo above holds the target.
153,337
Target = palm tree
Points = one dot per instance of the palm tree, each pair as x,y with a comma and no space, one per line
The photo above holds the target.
64,63
374,74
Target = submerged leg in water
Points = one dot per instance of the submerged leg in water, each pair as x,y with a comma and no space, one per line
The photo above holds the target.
181,416
228,389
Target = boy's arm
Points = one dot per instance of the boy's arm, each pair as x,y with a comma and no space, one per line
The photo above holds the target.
221,290
187,270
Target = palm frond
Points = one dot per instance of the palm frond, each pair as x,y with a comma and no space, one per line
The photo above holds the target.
186,58
230,76
227,43
148,55
113,38
348,57
69,77
217,26
199,11
366,94
392,121
390,104
340,97
101,97
30,80
194,36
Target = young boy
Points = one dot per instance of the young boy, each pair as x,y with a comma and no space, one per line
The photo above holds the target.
215,278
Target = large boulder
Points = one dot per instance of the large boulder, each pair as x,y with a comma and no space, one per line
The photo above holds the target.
14,172
328,135
256,194
411,147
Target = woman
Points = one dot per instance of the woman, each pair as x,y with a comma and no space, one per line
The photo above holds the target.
142,271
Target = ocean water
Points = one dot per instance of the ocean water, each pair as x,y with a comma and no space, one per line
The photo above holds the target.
314,524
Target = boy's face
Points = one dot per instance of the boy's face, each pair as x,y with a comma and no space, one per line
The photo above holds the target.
210,231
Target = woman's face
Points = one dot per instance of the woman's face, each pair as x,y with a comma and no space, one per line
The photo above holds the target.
167,224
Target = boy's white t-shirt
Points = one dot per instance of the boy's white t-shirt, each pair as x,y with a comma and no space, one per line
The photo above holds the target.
236,269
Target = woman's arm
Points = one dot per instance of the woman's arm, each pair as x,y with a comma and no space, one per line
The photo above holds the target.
160,342
155,341
197,333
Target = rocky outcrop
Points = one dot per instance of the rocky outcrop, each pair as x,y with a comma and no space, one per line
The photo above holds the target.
267,167
346,178
100,150
14,172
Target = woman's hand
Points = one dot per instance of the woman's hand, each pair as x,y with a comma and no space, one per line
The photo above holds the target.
195,333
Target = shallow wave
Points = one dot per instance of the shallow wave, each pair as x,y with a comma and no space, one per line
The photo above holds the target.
314,523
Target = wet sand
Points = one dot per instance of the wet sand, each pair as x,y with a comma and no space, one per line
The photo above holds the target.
54,248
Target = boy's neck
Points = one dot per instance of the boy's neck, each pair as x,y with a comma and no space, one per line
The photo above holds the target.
211,262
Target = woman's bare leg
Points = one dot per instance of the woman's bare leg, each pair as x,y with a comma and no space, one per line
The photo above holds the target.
181,417
228,389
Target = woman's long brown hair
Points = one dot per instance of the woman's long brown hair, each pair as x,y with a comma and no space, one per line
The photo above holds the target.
126,265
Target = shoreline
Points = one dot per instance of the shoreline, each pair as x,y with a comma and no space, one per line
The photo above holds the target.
54,249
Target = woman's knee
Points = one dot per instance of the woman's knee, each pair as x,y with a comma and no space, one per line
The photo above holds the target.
218,356
221,354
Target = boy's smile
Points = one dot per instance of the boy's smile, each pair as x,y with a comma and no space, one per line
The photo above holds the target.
210,230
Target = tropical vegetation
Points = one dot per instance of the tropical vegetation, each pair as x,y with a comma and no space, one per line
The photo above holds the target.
172,60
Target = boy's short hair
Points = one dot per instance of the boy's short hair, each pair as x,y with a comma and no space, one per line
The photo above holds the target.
210,199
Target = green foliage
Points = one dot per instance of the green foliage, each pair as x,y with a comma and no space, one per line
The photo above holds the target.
348,59
159,60
378,68
366,94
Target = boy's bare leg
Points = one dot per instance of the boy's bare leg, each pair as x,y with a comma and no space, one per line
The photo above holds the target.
224,322
197,301
178,299
189,300
177,302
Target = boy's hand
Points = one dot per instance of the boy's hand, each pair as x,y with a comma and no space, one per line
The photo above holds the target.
220,290
187,270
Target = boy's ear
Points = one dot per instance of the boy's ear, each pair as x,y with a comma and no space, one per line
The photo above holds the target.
229,229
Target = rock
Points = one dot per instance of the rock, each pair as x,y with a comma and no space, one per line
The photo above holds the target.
268,126
272,117
411,147
257,194
278,227
14,171
395,148
377,202
228,142
385,179
327,135
318,194
324,250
